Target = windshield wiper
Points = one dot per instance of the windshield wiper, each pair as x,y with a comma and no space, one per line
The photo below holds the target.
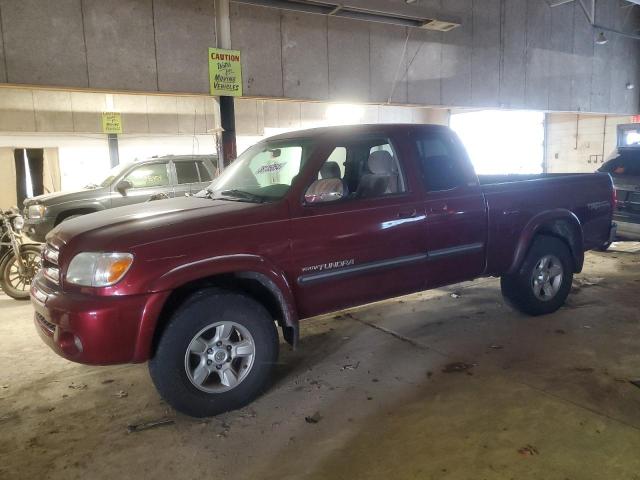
241,195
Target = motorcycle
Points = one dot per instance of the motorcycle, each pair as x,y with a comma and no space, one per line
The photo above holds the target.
19,262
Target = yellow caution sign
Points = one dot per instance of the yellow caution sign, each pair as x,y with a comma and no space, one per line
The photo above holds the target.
225,72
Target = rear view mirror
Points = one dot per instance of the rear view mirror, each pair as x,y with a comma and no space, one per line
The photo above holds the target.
122,187
325,190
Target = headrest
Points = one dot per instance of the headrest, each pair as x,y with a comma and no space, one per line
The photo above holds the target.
330,170
380,163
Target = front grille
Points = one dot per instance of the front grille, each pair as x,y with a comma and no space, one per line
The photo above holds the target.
48,326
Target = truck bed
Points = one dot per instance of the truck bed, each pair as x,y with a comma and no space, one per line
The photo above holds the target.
511,178
514,200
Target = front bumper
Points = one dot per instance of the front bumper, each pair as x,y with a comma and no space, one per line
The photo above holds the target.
92,329
37,229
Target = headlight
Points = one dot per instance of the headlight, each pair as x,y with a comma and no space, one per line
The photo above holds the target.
36,211
18,223
98,269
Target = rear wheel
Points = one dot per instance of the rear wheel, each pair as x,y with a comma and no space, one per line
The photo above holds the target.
604,247
543,281
216,354
16,282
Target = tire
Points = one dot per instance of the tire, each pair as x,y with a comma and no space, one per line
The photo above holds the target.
528,291
13,283
177,369
604,247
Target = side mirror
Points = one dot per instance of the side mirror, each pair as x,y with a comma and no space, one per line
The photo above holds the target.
325,190
122,186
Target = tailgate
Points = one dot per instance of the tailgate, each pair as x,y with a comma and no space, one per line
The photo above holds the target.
628,196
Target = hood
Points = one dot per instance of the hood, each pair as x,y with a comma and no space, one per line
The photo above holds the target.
144,224
56,198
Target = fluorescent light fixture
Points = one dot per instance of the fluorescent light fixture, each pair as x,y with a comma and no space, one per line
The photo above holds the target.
439,25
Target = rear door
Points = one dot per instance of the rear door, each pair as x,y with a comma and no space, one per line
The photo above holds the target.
367,246
456,217
191,176
187,178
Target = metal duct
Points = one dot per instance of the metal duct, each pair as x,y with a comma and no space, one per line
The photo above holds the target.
346,11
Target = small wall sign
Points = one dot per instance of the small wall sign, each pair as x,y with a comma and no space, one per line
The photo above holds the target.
111,122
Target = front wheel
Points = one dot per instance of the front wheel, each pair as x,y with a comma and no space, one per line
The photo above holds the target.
216,354
14,281
543,282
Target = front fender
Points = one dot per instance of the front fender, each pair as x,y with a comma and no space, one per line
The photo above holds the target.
246,266
55,212
558,222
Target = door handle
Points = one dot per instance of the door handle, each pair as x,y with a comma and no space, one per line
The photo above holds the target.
407,213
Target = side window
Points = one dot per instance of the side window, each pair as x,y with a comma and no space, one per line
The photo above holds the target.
151,175
440,170
187,172
380,174
363,168
205,176
333,167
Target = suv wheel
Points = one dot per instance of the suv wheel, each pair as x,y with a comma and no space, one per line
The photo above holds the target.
544,280
216,353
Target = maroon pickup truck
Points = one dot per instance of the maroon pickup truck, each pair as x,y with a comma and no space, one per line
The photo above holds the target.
302,224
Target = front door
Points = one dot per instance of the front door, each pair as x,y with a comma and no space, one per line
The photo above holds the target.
146,180
367,246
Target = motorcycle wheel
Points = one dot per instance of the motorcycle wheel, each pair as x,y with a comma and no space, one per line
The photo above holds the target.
15,284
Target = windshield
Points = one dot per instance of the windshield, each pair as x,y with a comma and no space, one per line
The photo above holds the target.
113,173
624,163
264,172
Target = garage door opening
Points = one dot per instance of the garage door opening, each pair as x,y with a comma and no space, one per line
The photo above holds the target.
502,142
29,173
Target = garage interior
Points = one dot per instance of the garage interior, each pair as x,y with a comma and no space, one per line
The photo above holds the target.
449,383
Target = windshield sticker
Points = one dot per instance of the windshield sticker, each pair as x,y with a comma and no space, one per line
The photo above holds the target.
271,168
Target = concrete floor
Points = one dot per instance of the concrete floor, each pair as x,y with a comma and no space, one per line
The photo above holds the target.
543,398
